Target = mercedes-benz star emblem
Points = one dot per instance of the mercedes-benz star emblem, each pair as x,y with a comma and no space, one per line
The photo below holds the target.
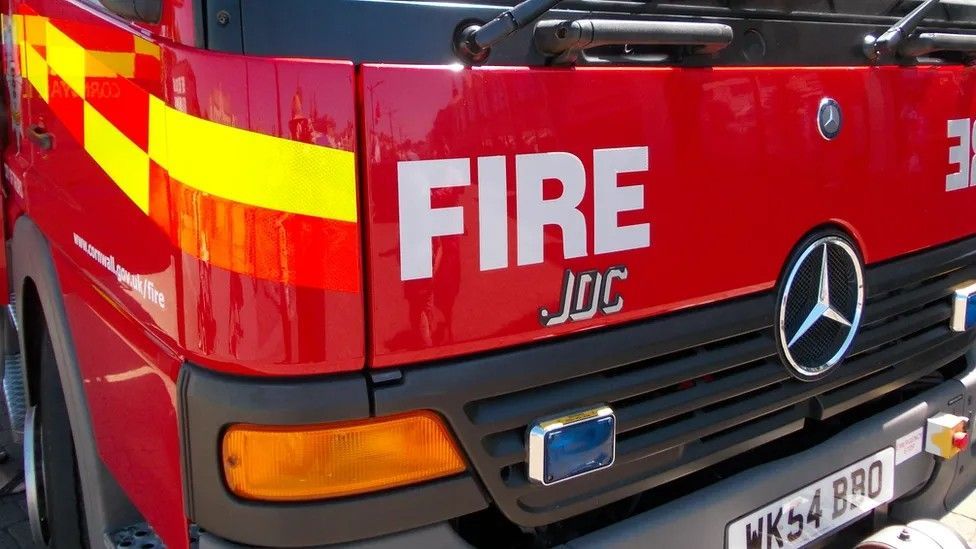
820,306
829,118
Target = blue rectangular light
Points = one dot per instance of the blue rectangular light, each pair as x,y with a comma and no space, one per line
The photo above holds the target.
571,445
971,312
964,308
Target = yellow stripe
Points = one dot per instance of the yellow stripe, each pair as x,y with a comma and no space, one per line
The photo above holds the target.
110,63
36,71
157,130
122,160
35,27
145,47
260,170
20,41
66,58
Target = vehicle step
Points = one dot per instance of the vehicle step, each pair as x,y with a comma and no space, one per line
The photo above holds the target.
14,394
137,536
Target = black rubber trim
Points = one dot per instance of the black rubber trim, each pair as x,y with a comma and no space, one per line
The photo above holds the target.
371,31
209,402
199,24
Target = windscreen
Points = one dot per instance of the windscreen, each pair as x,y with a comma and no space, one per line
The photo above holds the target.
951,10
794,32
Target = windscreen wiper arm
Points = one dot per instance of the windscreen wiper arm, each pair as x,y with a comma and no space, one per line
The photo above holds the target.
474,42
887,43
936,42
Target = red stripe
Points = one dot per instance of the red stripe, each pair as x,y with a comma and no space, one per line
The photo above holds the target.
147,72
267,244
124,104
98,37
67,106
159,199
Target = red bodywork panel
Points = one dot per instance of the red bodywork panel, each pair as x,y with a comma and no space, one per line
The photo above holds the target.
737,173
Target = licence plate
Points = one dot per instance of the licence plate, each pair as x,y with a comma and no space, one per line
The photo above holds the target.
817,509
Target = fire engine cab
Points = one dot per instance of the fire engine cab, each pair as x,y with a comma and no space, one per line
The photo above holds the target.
384,273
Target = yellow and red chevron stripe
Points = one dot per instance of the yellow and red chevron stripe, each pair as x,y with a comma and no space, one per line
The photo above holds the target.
255,204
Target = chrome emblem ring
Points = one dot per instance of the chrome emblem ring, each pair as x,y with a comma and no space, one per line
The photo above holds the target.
829,118
819,309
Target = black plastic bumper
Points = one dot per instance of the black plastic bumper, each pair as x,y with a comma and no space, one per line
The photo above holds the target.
925,487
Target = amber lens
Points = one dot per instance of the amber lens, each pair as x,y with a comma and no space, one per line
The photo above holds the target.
298,463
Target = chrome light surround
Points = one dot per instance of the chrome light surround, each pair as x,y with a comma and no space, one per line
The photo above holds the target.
538,432
961,298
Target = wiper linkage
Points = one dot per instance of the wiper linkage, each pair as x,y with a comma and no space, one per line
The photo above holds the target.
474,42
887,43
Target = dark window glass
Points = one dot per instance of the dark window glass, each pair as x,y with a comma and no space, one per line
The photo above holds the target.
962,11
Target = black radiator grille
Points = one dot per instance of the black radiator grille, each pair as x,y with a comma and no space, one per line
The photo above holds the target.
693,389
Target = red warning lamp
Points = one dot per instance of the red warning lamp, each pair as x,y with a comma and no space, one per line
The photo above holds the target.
960,440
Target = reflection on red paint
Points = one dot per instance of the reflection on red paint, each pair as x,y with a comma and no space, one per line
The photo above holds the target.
737,174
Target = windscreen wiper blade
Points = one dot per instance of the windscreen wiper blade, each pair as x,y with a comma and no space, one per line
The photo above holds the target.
936,42
564,41
887,43
474,42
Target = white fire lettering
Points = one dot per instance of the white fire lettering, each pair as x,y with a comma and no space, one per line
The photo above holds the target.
420,222
962,155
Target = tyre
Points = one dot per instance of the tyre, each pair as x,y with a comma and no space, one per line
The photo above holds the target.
54,504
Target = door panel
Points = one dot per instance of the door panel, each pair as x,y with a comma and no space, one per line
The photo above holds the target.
190,222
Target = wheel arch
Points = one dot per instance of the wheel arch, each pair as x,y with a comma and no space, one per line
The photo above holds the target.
40,306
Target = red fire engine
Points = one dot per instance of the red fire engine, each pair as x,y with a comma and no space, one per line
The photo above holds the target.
676,273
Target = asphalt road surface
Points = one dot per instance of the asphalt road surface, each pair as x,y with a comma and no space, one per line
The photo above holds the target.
14,529
963,519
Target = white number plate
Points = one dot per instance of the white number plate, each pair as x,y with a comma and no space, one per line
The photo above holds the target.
819,508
